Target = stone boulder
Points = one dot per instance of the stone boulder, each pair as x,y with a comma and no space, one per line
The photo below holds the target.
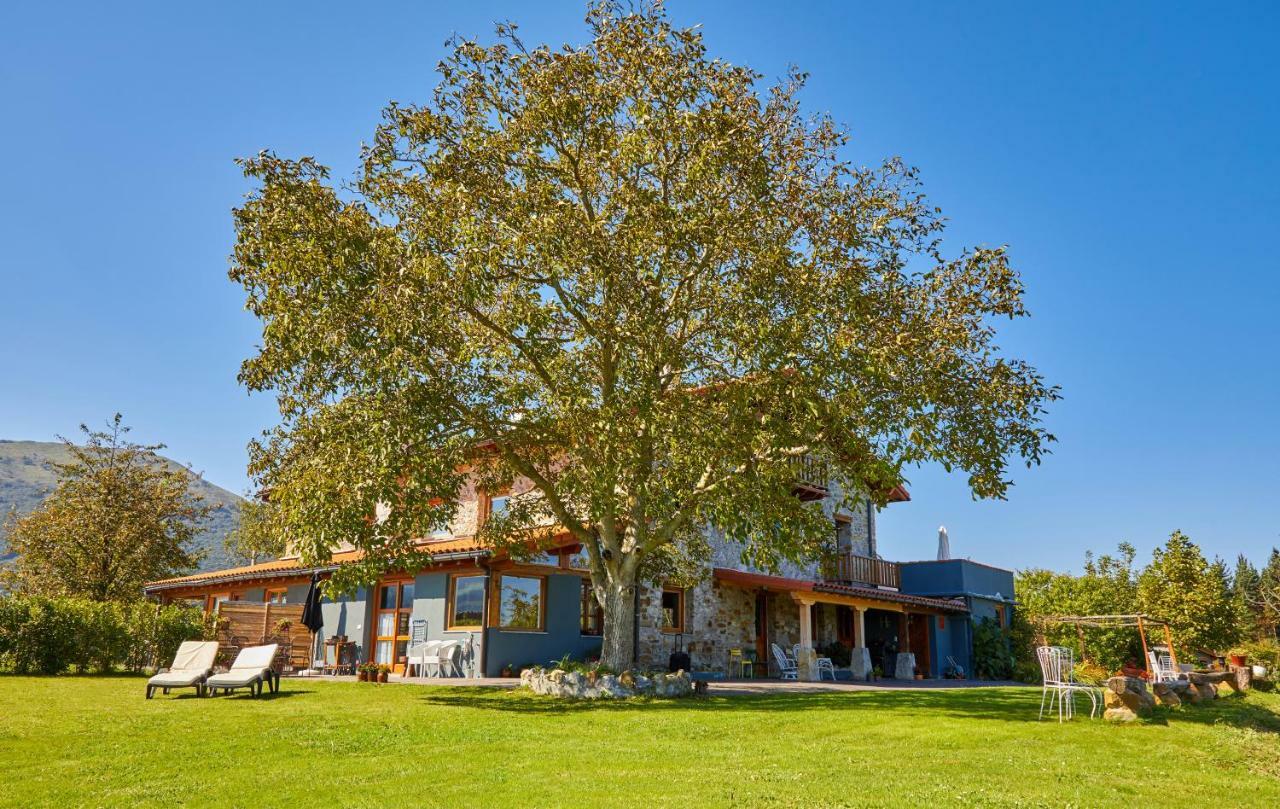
1167,695
1126,699
905,667
860,663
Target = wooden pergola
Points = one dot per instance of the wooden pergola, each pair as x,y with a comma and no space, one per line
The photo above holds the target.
1117,622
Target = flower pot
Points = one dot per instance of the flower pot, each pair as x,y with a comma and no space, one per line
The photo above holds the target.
382,676
1238,660
919,676
362,676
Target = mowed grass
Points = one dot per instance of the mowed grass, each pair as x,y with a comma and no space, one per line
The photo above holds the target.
74,741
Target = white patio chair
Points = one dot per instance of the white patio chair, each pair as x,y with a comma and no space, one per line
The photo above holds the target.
192,665
415,655
1060,687
447,655
1162,668
786,668
423,656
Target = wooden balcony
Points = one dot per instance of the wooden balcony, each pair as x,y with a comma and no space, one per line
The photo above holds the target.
812,477
849,568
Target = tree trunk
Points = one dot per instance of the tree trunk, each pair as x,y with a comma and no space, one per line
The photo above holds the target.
619,650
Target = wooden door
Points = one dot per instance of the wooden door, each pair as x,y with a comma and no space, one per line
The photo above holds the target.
762,634
918,629
394,607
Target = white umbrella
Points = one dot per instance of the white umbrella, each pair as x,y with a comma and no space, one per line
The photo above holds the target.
944,544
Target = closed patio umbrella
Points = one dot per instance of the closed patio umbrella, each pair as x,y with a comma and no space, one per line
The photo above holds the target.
312,615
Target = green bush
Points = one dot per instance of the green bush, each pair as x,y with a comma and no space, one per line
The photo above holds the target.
50,635
992,659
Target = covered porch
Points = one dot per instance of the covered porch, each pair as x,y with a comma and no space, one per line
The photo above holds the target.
865,631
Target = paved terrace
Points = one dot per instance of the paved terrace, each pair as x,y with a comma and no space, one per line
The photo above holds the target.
719,687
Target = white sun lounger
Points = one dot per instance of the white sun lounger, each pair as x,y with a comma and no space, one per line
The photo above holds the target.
191,667
252,667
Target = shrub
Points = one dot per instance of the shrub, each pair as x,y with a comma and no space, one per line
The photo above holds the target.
991,657
40,635
841,655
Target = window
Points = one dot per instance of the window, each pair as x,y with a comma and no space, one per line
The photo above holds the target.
466,602
1000,615
276,596
844,535
443,532
580,560
591,614
672,609
498,504
520,602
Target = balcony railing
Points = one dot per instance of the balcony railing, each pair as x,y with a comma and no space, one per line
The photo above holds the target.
850,568
812,476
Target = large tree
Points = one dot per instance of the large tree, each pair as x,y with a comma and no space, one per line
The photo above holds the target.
119,516
635,277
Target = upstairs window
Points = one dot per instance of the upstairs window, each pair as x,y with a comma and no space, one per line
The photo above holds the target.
498,504
276,596
844,535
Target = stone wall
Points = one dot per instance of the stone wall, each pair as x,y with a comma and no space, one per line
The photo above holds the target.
717,618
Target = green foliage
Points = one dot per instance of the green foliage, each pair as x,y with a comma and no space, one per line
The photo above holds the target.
992,658
1108,586
258,535
28,474
1193,595
41,635
118,518
635,282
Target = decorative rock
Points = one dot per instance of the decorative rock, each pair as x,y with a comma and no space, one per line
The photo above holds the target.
577,685
860,663
1126,699
905,666
1167,695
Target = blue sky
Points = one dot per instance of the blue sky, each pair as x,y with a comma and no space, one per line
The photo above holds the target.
1126,155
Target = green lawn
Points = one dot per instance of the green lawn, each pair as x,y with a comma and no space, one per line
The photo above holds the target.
71,741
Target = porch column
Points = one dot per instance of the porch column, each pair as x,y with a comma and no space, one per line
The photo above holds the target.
860,656
806,662
904,638
904,668
859,627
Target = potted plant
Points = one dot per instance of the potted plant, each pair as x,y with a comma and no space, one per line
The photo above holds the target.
876,673
919,674
383,671
367,672
508,670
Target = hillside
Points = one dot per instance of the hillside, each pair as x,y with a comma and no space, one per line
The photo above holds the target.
26,478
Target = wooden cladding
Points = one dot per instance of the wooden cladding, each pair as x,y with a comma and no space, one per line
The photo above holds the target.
241,624
855,569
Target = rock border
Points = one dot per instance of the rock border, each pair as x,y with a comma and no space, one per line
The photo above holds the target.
591,685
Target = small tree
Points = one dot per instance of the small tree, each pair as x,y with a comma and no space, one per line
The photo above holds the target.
629,278
119,517
1193,595
257,535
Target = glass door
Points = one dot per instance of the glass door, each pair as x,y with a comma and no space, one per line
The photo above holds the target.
391,625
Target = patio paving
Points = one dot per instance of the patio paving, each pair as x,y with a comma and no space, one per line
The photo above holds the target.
717,687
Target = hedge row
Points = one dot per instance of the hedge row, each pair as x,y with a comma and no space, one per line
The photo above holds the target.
41,635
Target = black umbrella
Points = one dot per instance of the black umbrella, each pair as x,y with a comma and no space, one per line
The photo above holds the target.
312,617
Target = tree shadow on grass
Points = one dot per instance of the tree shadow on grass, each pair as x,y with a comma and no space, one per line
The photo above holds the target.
1235,710
1007,705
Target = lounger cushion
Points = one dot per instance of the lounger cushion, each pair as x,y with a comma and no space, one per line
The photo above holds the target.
177,679
234,679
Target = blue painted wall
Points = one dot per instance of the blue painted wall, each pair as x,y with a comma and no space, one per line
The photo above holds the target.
563,633
347,616
956,577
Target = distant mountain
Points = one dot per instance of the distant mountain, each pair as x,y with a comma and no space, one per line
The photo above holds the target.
26,478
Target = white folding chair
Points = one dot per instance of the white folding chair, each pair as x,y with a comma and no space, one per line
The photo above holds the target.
1162,668
1056,670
